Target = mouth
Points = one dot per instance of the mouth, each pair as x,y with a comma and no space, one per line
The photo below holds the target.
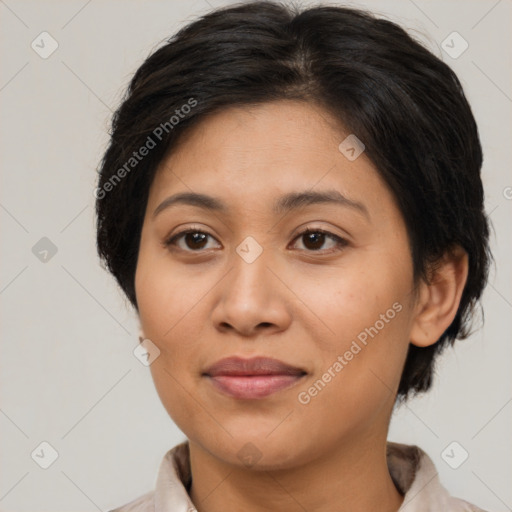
253,378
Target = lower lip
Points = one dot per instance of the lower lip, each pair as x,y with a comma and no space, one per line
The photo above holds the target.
253,387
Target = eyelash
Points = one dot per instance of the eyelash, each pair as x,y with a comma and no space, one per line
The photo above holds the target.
340,242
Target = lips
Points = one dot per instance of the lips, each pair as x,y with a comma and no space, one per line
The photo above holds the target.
254,366
252,378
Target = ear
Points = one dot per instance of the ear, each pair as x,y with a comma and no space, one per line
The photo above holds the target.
142,337
439,299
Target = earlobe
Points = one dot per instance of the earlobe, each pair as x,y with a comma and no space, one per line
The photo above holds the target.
439,299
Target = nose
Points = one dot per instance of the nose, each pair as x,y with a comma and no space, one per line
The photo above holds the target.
251,299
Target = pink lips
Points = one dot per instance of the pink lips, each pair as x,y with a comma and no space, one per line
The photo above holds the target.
252,378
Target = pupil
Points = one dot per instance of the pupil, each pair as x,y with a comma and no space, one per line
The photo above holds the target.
316,239
197,238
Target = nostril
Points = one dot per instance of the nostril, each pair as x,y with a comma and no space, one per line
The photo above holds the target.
228,327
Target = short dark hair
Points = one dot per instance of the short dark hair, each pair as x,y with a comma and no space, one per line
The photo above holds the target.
404,103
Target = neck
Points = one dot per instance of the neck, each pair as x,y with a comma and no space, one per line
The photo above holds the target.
353,478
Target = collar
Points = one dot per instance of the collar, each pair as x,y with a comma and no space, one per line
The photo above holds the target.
411,469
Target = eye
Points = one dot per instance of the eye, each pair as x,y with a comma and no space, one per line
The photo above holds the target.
194,240
313,240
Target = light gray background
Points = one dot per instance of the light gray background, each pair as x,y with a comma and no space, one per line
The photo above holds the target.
68,374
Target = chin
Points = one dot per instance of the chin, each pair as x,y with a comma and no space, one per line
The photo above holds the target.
258,452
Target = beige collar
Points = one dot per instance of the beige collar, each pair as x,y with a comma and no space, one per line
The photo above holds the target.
411,469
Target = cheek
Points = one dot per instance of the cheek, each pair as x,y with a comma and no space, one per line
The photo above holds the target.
166,295
168,312
347,300
169,302
175,391
367,312
357,372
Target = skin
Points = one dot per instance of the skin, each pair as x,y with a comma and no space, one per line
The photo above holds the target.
301,302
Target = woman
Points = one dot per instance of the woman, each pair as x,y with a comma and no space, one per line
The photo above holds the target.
291,200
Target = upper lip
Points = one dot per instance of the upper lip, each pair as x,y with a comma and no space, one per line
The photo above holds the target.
253,366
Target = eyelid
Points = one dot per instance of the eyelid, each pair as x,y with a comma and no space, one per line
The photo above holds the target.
190,229
340,240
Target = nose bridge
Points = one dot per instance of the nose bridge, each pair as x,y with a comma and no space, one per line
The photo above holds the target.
250,275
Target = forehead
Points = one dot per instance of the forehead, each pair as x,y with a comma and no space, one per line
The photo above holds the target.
244,154
288,127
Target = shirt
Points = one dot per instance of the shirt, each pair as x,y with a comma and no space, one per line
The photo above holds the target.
411,469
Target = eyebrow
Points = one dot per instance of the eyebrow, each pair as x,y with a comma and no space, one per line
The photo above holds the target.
284,204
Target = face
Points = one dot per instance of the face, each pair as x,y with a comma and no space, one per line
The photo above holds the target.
301,256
